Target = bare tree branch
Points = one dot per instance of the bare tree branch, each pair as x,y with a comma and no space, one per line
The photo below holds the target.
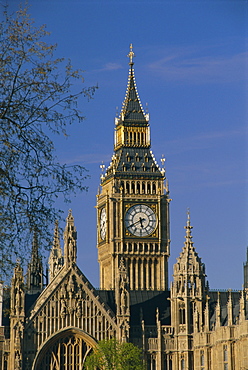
37,95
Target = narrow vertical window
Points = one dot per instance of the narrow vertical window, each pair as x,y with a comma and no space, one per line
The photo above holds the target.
182,364
225,357
202,360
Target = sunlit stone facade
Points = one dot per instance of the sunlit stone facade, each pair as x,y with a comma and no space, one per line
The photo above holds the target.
184,326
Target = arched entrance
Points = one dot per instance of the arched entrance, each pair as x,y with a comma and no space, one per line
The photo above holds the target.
66,350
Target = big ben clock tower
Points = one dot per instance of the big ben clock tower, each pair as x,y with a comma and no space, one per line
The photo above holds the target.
133,204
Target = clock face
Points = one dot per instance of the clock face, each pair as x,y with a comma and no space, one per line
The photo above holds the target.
140,220
103,224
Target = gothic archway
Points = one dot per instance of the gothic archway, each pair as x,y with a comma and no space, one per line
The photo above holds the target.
66,350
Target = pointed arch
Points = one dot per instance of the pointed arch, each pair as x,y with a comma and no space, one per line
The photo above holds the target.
70,344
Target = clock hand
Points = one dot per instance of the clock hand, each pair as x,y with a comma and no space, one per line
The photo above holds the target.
140,220
134,223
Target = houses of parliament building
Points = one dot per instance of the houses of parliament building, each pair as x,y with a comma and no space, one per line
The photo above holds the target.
184,326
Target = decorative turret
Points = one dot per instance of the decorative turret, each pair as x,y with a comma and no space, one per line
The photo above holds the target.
189,271
70,241
188,296
242,306
35,269
55,258
17,316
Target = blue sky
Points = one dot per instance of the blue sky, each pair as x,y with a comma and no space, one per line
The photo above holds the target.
191,73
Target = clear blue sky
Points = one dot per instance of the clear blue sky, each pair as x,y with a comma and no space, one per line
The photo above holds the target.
191,67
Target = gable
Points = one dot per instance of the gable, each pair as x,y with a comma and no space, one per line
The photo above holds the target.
68,301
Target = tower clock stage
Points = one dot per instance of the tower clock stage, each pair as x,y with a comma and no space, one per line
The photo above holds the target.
133,204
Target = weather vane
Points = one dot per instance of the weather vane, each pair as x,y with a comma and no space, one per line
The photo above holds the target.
131,54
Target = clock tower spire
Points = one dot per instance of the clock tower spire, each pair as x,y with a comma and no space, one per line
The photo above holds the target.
133,204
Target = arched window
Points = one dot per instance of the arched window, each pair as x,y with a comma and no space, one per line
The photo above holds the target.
153,188
133,188
127,187
148,188
143,188
67,352
182,314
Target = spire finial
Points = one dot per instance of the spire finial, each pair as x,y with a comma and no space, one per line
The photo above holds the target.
188,216
188,227
131,55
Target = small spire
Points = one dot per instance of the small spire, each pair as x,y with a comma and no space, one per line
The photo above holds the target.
229,309
188,228
70,218
242,306
218,312
246,271
131,55
206,314
56,241
55,260
35,268
70,241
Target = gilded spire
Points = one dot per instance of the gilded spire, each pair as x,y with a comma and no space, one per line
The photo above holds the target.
132,126
132,109
131,55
